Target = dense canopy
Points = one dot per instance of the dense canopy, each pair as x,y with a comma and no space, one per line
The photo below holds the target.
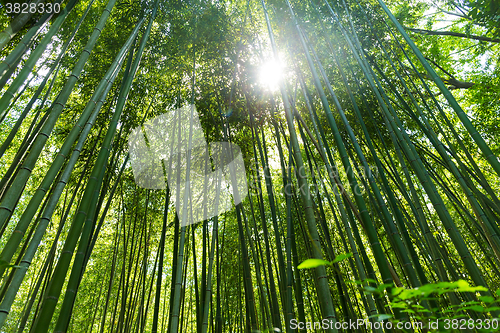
368,131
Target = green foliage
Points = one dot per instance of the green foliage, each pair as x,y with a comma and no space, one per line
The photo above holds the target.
313,263
487,13
414,302
211,53
5,264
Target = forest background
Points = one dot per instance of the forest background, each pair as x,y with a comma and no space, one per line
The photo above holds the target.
370,134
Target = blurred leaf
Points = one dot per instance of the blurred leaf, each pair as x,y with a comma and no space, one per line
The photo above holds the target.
341,257
313,263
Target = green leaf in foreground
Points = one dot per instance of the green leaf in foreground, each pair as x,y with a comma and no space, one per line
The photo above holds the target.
341,257
6,264
313,263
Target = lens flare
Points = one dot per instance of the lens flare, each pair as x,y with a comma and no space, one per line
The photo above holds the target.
271,74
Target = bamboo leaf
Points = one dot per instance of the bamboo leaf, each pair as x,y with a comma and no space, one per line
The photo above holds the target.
313,263
341,257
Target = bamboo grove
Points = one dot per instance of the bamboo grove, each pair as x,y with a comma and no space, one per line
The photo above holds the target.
361,158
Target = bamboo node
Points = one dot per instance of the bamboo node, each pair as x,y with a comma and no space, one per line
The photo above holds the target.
7,209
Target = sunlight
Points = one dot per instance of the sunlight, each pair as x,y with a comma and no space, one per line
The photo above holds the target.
270,74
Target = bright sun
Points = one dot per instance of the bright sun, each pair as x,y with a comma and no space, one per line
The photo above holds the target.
270,74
